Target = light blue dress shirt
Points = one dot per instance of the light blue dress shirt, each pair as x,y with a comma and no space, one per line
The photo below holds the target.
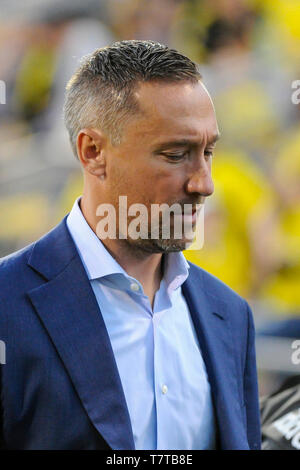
156,350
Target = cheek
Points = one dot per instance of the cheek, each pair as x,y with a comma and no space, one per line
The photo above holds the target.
147,183
168,187
130,181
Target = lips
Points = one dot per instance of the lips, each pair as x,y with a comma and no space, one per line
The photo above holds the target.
188,217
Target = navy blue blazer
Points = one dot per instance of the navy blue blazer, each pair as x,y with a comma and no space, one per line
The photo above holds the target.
60,387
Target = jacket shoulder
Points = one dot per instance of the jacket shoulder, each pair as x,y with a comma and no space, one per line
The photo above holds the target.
14,263
215,287
52,249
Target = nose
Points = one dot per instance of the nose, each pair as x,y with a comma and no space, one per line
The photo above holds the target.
201,182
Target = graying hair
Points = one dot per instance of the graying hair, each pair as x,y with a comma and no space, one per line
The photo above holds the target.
100,93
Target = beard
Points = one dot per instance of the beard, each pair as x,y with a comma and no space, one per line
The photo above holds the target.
158,246
166,229
162,243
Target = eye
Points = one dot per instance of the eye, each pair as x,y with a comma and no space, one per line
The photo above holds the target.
175,156
208,153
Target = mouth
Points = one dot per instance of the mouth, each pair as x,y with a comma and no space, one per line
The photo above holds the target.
191,218
188,216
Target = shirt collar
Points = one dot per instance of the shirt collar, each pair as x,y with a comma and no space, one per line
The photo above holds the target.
98,262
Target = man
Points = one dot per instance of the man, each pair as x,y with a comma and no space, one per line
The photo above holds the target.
118,342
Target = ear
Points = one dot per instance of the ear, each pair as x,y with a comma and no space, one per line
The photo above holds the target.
91,151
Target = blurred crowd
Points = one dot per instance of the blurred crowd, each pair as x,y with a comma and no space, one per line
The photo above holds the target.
248,51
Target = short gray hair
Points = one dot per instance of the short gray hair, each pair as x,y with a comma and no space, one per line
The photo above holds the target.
100,93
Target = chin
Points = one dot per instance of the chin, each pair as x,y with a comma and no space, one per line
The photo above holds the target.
161,245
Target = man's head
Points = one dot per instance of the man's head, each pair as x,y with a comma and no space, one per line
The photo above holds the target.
101,93
142,125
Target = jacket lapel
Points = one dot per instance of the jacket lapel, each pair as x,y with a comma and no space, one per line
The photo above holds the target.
211,319
67,307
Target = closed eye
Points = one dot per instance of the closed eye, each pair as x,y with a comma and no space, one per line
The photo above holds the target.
175,156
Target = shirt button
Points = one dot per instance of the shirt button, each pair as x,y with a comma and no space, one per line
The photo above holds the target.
164,389
134,286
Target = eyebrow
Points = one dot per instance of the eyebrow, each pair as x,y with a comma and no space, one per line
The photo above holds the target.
215,138
185,143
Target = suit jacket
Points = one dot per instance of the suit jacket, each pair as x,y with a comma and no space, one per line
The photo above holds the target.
60,387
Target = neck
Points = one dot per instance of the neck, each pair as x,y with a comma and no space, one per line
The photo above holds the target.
145,267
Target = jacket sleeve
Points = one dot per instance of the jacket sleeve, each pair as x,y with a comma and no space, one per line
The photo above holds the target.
251,388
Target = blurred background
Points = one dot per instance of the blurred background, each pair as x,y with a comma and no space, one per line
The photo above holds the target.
249,54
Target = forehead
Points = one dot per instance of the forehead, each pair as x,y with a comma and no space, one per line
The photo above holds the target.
181,110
